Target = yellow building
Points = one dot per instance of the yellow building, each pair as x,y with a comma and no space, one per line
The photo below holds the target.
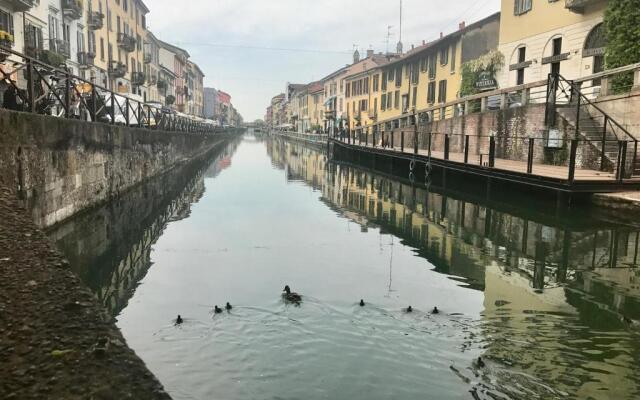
430,75
118,44
538,37
316,106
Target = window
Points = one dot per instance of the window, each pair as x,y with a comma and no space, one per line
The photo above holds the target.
423,64
522,6
432,67
442,91
405,103
366,85
6,22
431,93
348,93
444,55
399,76
396,99
375,106
383,102
363,105
102,49
415,96
557,50
453,56
376,78
389,101
522,54
391,75
415,73
384,82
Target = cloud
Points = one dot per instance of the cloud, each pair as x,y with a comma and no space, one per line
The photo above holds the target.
251,48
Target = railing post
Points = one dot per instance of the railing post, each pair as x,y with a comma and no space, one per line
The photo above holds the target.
415,139
504,101
572,160
492,152
149,117
604,142
530,156
622,159
467,107
374,136
140,123
402,141
446,146
635,157
605,86
466,149
113,108
483,104
550,109
31,87
126,111
67,95
392,132
94,103
578,115
429,148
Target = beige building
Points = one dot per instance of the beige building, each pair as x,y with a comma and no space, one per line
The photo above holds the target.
195,90
540,37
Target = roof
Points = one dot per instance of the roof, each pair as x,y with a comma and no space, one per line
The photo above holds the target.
428,46
196,67
168,71
316,87
377,60
145,9
173,49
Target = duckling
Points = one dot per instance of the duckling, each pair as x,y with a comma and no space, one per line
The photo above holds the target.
435,310
290,296
361,303
228,306
480,363
179,320
217,309
409,309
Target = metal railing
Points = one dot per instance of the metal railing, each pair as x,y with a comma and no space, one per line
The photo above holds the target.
310,137
36,87
562,158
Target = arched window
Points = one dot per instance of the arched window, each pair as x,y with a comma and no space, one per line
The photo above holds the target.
594,46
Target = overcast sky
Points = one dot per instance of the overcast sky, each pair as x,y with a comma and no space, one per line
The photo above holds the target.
251,48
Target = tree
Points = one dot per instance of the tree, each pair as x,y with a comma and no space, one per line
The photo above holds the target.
623,39
170,99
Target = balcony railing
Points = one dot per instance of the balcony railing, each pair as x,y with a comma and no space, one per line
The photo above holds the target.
579,5
61,47
147,58
152,80
95,20
72,8
138,78
162,84
117,69
86,59
22,5
126,42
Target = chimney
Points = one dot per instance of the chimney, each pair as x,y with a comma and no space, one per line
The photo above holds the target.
441,35
461,25
412,46
424,42
370,53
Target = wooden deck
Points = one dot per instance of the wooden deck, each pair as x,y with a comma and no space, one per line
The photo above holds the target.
546,176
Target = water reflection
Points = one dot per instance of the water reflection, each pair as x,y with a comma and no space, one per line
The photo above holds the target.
110,247
550,302
561,295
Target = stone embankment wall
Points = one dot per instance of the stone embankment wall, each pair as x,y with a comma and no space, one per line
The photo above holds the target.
59,167
625,109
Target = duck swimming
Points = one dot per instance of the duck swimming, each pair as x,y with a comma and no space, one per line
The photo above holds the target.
435,310
361,303
179,320
217,309
228,306
480,363
290,296
409,309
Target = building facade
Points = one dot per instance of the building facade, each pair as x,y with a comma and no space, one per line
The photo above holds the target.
210,103
540,37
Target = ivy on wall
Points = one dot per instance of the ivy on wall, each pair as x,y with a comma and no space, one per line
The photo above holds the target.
622,28
471,71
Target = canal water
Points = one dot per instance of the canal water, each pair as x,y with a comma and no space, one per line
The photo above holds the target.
549,302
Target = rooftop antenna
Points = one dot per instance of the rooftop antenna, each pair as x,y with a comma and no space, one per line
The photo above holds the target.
388,36
399,47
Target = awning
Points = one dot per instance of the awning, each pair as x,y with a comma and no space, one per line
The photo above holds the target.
327,101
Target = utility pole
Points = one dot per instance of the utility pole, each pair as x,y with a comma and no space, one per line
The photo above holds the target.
399,47
388,36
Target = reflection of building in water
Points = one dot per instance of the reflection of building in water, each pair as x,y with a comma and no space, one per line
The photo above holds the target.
110,247
554,287
222,161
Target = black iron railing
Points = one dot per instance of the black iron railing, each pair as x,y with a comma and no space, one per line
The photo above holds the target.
44,89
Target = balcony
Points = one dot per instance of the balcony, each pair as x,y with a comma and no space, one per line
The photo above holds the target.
147,58
162,84
72,9
152,80
126,42
578,6
22,5
6,39
60,47
138,78
95,20
117,69
86,59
